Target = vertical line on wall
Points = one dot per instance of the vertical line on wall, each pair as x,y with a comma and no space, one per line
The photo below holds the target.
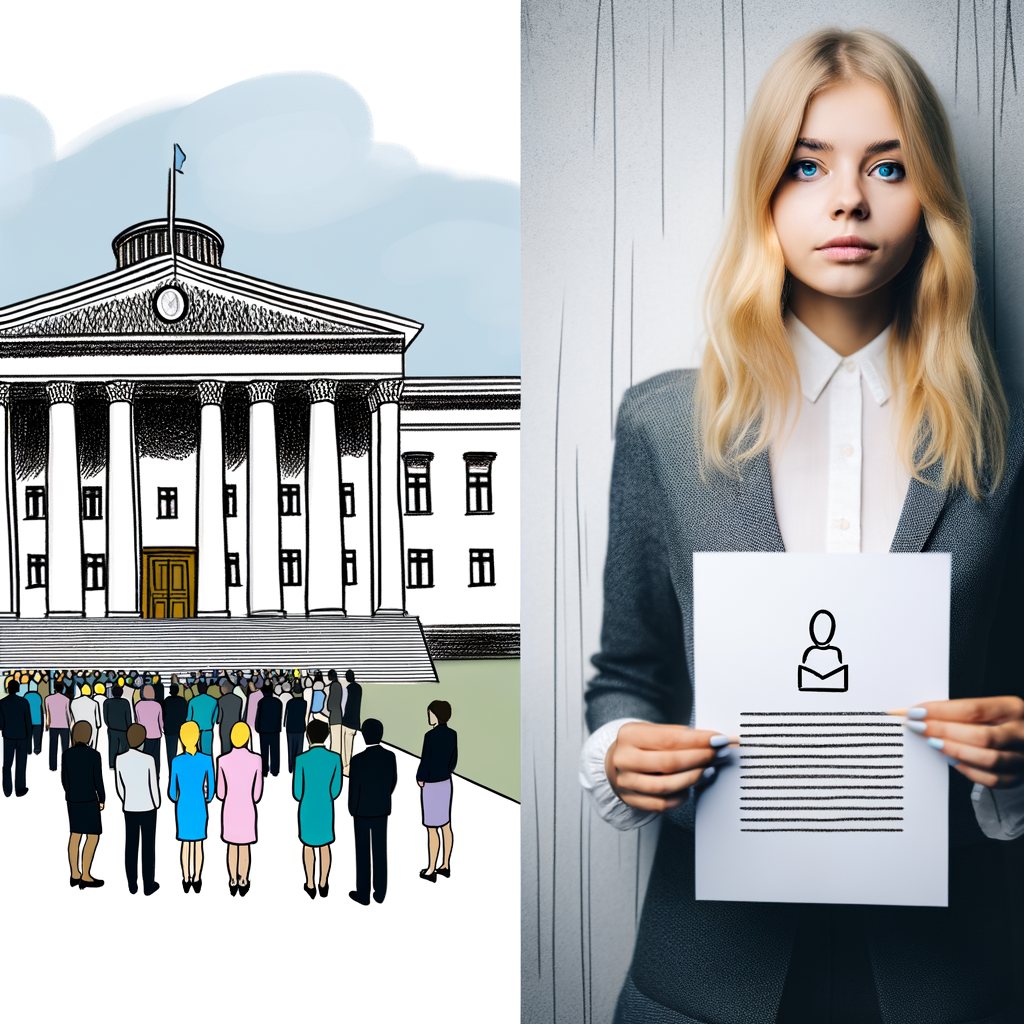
1007,52
583,944
977,57
663,135
743,49
615,227
632,253
554,688
723,106
597,57
956,56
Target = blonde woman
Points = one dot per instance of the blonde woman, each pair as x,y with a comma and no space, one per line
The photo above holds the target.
191,787
845,271
240,787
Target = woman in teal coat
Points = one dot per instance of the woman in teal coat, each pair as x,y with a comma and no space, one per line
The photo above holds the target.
316,785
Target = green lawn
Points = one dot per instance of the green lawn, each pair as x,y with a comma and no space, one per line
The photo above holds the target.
484,696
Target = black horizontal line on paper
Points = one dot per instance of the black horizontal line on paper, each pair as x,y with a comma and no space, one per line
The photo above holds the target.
836,796
846,757
825,725
822,747
823,767
821,776
819,714
769,810
843,786
804,735
821,830
824,821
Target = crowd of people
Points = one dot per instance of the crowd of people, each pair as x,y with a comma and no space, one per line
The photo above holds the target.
141,716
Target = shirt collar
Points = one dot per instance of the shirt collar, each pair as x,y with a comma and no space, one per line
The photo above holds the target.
817,362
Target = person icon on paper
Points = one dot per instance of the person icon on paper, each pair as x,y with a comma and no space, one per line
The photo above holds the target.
822,669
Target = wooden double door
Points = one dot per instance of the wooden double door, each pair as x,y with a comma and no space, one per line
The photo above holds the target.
169,583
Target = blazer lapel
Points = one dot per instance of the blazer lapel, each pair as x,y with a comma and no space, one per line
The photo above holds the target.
921,508
764,523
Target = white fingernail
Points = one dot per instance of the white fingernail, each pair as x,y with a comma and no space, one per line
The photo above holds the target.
719,741
917,713
708,773
918,727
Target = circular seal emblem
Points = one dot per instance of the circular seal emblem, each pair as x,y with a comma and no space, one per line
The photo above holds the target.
170,304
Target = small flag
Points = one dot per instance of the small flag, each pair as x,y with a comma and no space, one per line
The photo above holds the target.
179,158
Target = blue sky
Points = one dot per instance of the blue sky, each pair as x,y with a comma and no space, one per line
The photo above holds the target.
285,167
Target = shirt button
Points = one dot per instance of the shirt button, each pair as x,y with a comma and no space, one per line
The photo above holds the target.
844,524
848,450
849,366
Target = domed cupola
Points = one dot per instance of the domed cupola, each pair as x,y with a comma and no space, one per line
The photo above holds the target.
194,241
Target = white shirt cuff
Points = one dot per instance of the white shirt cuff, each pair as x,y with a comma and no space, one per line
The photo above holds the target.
1000,812
594,779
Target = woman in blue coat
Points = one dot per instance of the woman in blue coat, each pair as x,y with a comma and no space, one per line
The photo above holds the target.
191,787
316,785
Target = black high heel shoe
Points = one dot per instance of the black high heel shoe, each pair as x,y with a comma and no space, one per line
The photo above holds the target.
428,876
323,889
186,884
445,872
243,890
76,883
197,885
233,888
310,891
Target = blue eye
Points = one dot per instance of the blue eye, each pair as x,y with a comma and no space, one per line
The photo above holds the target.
805,168
891,172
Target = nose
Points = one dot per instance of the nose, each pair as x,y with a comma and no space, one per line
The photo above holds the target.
848,198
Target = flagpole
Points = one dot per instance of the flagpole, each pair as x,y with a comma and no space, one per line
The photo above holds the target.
171,202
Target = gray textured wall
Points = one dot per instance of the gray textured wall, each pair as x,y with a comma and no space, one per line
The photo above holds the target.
631,111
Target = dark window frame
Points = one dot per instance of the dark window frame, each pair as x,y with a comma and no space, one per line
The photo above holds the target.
424,559
35,502
483,559
36,572
349,562
479,483
290,499
348,500
167,503
291,567
92,502
230,501
233,568
94,571
418,496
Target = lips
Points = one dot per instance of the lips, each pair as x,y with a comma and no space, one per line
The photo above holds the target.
847,248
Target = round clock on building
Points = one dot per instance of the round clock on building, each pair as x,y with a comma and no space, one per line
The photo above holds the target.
170,304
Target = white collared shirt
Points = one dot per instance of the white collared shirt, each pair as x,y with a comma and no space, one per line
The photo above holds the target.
839,486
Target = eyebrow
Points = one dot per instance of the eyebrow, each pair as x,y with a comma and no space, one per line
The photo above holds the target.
817,146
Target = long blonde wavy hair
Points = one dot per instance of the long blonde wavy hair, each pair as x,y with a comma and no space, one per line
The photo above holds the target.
950,403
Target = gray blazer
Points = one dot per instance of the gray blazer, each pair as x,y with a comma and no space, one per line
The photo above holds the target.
715,961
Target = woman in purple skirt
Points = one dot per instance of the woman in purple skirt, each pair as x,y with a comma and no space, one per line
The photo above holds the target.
437,762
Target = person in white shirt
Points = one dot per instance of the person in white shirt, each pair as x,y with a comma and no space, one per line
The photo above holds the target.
848,401
137,785
85,709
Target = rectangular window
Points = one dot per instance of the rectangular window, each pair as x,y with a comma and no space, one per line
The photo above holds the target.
36,571
94,572
291,567
92,502
35,502
478,483
348,500
290,501
231,500
350,568
481,567
417,483
421,568
167,503
234,570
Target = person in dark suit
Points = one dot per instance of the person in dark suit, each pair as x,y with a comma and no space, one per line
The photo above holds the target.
175,716
373,775
434,774
117,716
350,718
16,726
295,725
333,709
229,711
81,775
268,725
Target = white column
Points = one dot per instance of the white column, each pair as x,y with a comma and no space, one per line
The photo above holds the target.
122,512
325,571
211,527
8,546
265,596
64,594
389,548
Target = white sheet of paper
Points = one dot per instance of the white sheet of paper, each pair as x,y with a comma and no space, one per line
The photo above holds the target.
827,799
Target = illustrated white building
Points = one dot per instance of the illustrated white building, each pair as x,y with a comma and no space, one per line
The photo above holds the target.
248,464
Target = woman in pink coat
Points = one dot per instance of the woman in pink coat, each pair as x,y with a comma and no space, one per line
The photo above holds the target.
240,786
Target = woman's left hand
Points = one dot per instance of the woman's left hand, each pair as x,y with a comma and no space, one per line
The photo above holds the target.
984,734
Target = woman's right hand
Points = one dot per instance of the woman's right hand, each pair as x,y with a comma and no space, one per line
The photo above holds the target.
651,767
